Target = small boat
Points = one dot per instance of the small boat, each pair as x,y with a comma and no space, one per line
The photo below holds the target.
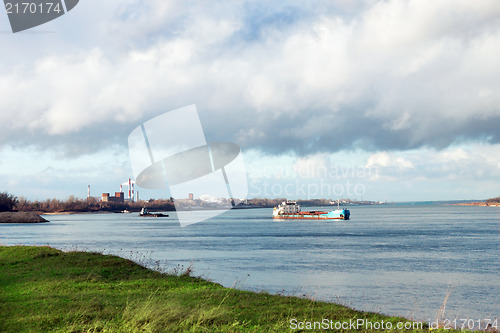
145,213
126,211
290,210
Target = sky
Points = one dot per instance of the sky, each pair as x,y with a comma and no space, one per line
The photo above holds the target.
395,100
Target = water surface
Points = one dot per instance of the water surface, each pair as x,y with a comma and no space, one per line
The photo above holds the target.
398,260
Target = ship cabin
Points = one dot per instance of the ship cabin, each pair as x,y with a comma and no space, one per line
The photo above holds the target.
287,207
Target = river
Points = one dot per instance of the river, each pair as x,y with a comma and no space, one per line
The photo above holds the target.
398,260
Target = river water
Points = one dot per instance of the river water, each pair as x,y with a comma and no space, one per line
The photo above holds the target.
398,260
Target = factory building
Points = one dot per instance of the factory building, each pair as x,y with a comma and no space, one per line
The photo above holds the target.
118,198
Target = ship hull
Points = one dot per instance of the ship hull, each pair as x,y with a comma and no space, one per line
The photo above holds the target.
153,215
342,214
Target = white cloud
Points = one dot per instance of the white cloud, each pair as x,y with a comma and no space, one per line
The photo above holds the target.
405,64
471,162
314,166
406,77
386,159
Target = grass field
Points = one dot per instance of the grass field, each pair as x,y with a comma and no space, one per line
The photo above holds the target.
47,290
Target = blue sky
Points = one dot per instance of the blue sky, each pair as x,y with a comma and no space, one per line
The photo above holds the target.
379,100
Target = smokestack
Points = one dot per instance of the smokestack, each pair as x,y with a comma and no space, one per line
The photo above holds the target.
133,184
88,191
129,189
121,188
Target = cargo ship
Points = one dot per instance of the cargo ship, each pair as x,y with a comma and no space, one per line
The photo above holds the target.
290,210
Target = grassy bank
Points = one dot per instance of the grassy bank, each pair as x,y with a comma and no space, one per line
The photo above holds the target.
47,290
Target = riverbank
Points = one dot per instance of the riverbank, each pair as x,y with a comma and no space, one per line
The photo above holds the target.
21,217
47,290
482,204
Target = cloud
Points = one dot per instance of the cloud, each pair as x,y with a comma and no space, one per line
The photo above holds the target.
40,175
313,166
472,162
385,159
466,171
389,75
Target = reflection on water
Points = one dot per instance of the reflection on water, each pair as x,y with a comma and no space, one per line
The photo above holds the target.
398,260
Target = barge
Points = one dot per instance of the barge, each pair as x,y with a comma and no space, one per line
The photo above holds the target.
145,213
291,210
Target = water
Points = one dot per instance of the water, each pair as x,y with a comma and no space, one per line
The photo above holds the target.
398,260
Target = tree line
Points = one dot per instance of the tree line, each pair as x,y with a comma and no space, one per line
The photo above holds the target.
493,200
9,202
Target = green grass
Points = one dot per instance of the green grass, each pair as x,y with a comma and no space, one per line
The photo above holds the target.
47,290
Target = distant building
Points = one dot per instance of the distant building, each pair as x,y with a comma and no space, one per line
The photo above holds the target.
118,198
191,196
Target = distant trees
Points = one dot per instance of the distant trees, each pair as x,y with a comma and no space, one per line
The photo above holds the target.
72,204
493,200
264,202
7,202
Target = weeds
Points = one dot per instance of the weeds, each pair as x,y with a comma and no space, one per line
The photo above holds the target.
441,312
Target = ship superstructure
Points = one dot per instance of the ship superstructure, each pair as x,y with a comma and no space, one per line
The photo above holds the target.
291,210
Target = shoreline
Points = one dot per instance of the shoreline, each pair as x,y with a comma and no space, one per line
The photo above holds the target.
21,217
479,204
118,295
239,207
76,213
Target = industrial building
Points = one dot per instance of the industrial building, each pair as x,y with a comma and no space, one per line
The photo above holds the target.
118,198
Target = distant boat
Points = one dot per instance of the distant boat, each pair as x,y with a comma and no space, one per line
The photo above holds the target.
290,210
145,213
126,211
